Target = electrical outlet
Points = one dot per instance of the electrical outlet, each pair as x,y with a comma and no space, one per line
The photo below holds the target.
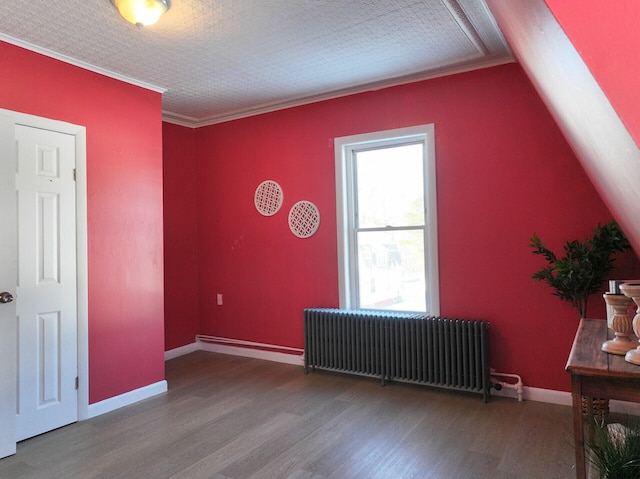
219,299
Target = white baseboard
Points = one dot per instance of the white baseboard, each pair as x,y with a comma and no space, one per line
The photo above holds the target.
181,351
131,397
126,399
247,352
550,396
630,408
253,353
563,398
528,393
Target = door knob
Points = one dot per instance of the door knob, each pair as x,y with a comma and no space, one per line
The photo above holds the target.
6,297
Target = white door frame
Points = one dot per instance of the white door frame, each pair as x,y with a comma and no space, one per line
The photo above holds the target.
80,134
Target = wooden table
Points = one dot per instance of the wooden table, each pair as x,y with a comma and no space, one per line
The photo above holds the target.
595,373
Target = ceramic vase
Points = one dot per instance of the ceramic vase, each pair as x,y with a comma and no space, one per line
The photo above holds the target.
632,290
620,324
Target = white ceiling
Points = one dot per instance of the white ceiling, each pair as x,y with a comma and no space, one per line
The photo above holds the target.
224,59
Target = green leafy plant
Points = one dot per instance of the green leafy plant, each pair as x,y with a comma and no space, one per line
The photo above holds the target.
615,450
584,266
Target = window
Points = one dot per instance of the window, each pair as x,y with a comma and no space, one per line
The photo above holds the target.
387,220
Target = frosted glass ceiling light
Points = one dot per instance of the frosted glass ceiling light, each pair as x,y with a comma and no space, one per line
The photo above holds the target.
141,13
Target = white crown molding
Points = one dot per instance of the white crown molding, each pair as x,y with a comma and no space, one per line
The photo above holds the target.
80,63
191,122
178,119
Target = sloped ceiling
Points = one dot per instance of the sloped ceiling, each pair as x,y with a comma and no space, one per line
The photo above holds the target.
216,60
593,128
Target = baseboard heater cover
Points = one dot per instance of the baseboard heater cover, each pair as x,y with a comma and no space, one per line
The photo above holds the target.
440,352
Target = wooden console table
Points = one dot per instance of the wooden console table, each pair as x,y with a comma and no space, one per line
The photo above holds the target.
595,373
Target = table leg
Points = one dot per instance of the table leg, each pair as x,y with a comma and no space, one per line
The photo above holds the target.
578,426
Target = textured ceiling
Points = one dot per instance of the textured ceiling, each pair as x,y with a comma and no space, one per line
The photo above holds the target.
224,59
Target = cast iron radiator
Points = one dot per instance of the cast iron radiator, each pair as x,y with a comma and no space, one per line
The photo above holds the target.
441,352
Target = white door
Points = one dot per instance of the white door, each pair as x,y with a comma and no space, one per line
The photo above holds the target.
46,288
8,273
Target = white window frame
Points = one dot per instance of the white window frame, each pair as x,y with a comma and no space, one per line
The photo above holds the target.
347,256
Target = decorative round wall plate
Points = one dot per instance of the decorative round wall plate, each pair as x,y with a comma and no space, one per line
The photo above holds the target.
268,198
304,219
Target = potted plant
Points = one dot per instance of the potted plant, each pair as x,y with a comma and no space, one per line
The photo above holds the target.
614,450
584,267
580,273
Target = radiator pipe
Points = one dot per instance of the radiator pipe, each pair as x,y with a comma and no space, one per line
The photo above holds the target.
498,385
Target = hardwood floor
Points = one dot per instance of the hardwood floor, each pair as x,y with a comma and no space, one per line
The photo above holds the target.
238,418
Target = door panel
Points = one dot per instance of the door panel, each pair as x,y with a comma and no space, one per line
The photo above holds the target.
8,274
46,310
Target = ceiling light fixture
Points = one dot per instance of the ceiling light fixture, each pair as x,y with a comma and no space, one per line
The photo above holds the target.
141,13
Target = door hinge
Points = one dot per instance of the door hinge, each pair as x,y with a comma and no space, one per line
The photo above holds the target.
74,174
77,382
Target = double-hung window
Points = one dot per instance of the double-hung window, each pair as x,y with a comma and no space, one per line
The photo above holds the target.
387,220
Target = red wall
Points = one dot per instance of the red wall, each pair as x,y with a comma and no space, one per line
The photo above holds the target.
606,35
124,201
504,171
181,308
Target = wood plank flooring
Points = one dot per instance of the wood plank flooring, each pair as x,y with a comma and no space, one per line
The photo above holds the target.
227,417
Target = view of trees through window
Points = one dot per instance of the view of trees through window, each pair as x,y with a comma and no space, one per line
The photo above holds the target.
389,219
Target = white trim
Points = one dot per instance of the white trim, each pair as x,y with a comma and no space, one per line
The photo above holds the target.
563,398
82,298
343,146
550,396
126,399
82,265
191,122
8,271
243,343
181,351
253,353
623,407
237,347
79,63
